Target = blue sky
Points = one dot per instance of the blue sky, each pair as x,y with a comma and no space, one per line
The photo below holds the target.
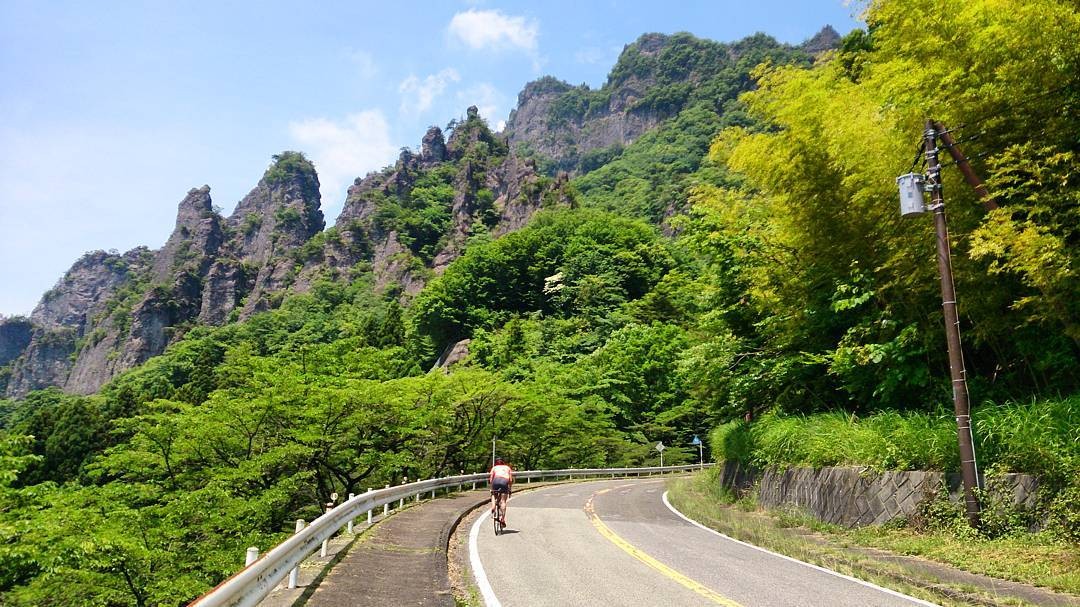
111,111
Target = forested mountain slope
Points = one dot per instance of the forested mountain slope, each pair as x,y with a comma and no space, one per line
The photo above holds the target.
405,223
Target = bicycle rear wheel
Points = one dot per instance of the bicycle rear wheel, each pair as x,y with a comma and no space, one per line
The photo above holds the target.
496,518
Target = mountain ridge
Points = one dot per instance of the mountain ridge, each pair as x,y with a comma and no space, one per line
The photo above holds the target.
404,223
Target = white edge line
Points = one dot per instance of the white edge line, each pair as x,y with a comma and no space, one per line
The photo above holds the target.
794,560
478,568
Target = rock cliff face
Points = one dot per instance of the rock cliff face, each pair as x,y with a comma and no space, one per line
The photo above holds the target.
825,40
66,317
14,338
577,128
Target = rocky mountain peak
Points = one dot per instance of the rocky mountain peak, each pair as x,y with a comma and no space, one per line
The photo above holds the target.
826,39
195,239
467,133
650,43
433,147
547,85
290,179
195,207
282,210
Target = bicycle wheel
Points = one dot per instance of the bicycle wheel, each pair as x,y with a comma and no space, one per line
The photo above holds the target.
496,518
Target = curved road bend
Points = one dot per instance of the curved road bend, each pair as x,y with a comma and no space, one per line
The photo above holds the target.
611,543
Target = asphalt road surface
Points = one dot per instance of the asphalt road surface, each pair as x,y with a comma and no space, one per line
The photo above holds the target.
609,543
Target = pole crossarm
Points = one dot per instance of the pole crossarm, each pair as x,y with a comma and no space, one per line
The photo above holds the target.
253,583
989,202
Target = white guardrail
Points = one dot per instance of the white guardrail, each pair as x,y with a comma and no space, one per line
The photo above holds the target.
254,582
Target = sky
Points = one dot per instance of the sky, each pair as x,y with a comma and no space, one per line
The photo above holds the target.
111,111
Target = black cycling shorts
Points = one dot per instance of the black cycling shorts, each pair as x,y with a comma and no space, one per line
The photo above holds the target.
500,485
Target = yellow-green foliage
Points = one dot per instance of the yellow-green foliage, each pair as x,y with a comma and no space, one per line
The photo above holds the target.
845,290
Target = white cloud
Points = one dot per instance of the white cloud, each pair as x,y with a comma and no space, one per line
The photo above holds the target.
418,95
344,150
364,63
492,30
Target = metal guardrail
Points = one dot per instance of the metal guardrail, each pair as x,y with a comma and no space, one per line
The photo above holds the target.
254,582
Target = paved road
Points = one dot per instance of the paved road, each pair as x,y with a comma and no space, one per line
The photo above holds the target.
613,543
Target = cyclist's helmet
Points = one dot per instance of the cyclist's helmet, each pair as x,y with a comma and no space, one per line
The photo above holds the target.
499,461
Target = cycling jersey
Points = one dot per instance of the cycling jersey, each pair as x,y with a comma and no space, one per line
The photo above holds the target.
501,478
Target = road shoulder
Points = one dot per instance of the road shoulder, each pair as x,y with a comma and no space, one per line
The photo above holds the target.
909,574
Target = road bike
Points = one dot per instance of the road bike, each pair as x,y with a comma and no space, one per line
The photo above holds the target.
498,515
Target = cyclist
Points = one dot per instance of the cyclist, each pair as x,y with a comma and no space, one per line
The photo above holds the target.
501,480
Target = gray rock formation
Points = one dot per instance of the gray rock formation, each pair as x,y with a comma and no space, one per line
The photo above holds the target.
560,122
279,215
195,240
433,147
15,336
65,318
824,40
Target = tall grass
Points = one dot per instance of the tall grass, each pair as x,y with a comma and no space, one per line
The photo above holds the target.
1040,438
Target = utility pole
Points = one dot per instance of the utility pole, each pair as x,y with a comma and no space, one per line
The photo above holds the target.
968,470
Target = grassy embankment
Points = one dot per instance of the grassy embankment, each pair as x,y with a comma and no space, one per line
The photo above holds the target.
1039,546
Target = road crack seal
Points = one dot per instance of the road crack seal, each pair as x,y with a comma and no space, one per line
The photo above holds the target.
642,556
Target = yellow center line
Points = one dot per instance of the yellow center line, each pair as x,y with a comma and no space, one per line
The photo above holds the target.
640,555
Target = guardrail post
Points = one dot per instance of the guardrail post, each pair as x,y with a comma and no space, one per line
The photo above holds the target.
349,527
386,506
294,575
369,510
401,502
251,556
326,543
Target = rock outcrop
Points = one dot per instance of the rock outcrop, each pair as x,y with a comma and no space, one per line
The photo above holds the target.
577,128
15,334
433,147
195,240
67,315
825,40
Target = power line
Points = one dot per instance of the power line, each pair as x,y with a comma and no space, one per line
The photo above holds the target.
1019,104
918,154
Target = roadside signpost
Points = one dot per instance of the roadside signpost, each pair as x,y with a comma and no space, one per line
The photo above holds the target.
660,447
701,452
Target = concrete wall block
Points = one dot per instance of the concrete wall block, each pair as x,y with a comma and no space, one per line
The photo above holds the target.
853,496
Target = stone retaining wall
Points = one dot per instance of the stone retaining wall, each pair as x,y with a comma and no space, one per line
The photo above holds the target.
853,496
